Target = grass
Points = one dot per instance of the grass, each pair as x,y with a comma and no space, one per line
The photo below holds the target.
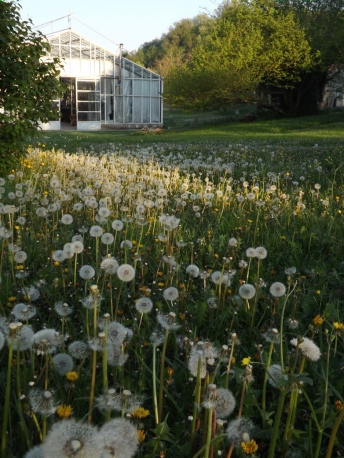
321,129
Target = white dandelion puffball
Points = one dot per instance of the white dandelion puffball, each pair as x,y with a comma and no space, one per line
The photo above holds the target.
107,238
20,257
77,247
277,289
96,231
126,272
109,265
87,272
308,348
59,256
261,252
251,252
117,225
232,242
67,219
144,305
192,270
63,363
247,291
170,294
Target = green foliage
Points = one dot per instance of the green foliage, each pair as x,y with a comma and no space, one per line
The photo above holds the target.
28,83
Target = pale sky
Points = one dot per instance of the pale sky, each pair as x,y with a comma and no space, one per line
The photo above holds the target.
131,22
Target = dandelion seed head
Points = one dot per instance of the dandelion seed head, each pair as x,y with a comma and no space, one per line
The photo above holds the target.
119,438
144,305
109,265
87,272
78,349
63,363
308,348
96,231
23,312
277,289
247,291
261,252
237,428
170,294
42,402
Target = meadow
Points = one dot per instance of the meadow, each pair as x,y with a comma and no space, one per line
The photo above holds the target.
175,295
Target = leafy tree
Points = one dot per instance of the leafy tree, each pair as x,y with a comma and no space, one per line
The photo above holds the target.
28,82
252,44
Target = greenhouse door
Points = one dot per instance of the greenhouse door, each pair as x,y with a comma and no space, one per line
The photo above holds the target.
88,104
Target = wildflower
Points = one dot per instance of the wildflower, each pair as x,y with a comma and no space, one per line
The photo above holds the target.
338,405
141,435
124,401
109,265
318,320
272,335
2,340
115,355
247,291
232,242
87,272
249,447
239,429
192,270
117,225
225,403
96,231
242,264
107,238
144,305
46,341
23,339
338,326
126,272
92,300
31,293
168,321
277,289
42,401
126,244
290,270
68,438
292,323
117,333
275,375
210,397
201,351
64,411
246,361
23,312
217,277
251,252
171,293
67,219
261,252
119,439
308,348
35,452
139,413
20,257
78,349
63,363
77,247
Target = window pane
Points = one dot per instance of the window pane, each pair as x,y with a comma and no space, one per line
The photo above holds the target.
88,106
109,108
137,71
145,87
75,50
88,116
86,85
137,109
127,87
127,69
102,108
146,74
145,109
137,87
89,96
155,110
65,51
119,109
128,109
155,88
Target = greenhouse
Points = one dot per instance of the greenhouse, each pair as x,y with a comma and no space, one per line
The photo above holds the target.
104,90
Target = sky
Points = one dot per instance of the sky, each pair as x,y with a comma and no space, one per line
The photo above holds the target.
131,22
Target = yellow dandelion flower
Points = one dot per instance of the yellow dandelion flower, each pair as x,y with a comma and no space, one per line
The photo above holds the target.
338,405
141,435
318,291
56,263
318,320
19,266
161,284
338,326
64,411
140,412
246,361
249,447
72,376
12,299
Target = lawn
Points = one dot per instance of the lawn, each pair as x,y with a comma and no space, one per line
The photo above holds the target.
175,295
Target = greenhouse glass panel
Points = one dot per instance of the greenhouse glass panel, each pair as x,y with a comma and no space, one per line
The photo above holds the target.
145,87
102,108
85,53
127,87
65,51
85,67
154,88
75,51
86,85
88,106
128,109
137,71
65,38
137,87
155,110
137,109
145,109
127,69
88,116
146,74
119,109
55,51
109,108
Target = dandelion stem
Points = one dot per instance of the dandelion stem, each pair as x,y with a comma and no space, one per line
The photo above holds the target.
197,397
229,364
334,433
277,422
93,383
155,400
161,379
7,398
266,376
209,431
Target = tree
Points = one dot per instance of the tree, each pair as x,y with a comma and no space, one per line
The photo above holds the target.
252,44
28,82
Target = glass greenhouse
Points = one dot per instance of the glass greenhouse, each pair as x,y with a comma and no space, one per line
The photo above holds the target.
104,90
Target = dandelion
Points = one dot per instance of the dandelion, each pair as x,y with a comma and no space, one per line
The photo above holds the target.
117,225
249,447
31,293
272,335
217,277
139,413
23,312
115,355
290,270
261,252
246,361
20,257
78,350
233,242
292,323
77,246
168,321
109,265
42,401
225,403
96,231
59,255
144,305
87,272
63,363
247,291
126,272
120,439
124,401
318,320
23,339
117,333
72,376
67,219
192,270
307,348
251,252
64,411
103,212
68,438
275,375
126,244
107,238
170,294
62,309
47,341
277,289
238,430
